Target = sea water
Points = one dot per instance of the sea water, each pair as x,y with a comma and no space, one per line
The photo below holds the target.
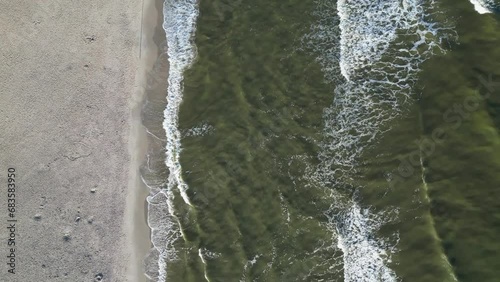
277,124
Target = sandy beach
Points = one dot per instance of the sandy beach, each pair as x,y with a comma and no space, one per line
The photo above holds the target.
72,87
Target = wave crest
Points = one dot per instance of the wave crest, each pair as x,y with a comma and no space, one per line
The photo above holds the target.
373,57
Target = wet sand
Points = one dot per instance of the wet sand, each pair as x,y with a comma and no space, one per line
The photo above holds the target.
154,172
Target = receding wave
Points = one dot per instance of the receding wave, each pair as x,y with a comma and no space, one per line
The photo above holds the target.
371,51
179,24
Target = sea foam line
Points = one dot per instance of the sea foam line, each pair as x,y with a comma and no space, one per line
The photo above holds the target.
378,72
380,45
364,255
180,25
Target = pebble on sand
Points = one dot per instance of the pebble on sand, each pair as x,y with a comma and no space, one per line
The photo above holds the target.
67,237
99,277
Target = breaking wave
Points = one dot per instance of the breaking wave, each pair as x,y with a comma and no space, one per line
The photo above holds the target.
485,6
371,51
179,25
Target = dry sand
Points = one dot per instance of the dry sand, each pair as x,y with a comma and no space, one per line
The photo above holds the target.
70,101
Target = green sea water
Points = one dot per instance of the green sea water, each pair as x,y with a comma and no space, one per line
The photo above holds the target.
263,100
420,204
462,174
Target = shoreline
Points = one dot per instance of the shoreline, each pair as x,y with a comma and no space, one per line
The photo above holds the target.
151,84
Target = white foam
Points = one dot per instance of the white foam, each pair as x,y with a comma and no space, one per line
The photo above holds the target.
165,231
200,130
378,47
365,256
248,266
180,25
481,6
200,254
